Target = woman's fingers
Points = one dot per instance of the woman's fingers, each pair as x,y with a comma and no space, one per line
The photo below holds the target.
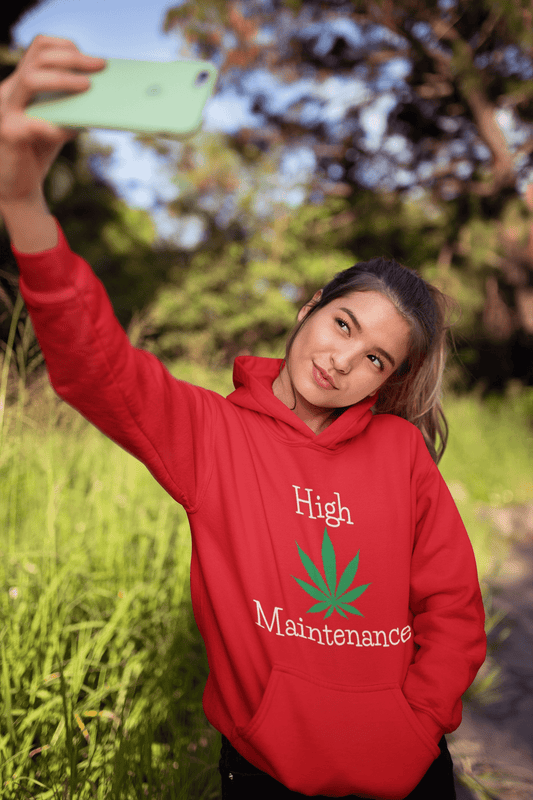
46,81
68,60
18,128
46,51
29,146
49,65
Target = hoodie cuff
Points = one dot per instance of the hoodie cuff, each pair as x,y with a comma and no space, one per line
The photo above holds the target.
50,270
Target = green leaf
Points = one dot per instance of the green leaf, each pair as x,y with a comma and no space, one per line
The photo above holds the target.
354,594
312,590
312,571
348,575
337,607
329,562
319,607
350,609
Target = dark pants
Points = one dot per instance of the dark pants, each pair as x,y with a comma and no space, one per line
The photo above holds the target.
243,781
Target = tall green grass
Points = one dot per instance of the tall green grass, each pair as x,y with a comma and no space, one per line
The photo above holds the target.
102,668
489,462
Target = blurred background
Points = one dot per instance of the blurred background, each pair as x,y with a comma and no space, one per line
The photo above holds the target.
338,131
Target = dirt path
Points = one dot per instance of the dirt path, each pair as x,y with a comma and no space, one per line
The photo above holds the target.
494,744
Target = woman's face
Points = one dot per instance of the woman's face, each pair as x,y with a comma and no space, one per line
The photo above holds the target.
345,351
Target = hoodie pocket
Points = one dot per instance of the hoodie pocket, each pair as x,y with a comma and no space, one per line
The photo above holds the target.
320,737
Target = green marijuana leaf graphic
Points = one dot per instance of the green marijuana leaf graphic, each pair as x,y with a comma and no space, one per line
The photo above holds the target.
332,597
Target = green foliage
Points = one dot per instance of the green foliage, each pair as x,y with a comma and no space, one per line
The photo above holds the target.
490,447
448,117
242,293
102,666
515,16
488,464
118,241
245,299
478,242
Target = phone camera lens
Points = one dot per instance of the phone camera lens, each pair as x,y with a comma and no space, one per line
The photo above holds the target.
201,78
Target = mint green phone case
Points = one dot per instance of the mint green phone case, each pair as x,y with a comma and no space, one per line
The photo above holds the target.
164,98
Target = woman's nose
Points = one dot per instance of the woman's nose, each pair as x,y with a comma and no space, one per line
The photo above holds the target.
344,360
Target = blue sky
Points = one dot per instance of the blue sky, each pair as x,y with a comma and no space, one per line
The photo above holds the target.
108,28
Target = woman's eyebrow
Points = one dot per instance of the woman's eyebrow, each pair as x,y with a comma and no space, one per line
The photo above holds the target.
357,326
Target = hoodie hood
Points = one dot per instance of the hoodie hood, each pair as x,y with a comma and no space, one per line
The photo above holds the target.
253,378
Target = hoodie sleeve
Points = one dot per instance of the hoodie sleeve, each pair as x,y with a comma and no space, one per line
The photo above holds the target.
127,393
446,602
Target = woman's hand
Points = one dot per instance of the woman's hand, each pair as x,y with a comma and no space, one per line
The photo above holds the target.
28,147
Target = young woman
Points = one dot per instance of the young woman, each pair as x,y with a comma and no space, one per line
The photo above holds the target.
332,579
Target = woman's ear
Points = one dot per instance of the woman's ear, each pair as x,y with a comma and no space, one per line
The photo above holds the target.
304,311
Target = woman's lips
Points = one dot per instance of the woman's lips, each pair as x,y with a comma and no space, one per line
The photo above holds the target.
321,378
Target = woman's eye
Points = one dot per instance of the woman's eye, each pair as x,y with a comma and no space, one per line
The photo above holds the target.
342,324
377,361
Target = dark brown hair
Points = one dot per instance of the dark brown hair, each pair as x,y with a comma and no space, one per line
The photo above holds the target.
413,391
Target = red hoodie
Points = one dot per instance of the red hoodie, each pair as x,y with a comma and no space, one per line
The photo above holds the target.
332,579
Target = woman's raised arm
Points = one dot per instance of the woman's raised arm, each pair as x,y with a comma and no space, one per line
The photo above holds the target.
28,147
125,392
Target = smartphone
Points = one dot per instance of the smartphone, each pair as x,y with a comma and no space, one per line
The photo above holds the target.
158,97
